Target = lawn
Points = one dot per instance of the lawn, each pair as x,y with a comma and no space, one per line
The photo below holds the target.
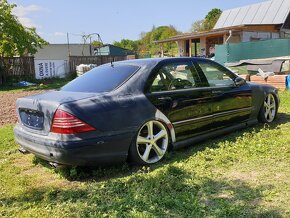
39,85
246,173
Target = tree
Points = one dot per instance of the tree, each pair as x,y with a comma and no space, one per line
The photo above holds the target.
15,39
148,45
197,26
211,18
208,22
97,43
128,44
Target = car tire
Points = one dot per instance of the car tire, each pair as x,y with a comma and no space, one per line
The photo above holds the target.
268,109
150,143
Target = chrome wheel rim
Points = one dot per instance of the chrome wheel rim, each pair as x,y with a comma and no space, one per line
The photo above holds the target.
152,142
270,108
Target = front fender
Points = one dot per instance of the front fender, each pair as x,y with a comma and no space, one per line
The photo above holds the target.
259,93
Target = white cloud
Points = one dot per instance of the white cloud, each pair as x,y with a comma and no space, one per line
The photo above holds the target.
27,22
59,34
22,11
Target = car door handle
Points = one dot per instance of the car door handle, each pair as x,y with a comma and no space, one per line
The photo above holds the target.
217,92
165,99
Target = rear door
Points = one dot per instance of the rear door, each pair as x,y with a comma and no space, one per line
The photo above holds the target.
231,104
176,89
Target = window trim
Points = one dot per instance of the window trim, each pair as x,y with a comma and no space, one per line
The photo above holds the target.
128,78
156,70
180,90
203,76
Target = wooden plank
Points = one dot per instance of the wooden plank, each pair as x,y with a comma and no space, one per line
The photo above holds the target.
278,81
98,60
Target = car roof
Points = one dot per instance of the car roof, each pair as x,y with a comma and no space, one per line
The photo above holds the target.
155,61
138,80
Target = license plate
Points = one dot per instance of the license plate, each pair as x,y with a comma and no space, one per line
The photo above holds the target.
32,118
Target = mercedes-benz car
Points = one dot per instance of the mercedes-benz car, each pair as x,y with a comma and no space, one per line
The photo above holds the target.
138,110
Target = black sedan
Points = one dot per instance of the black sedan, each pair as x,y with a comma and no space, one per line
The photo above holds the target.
138,110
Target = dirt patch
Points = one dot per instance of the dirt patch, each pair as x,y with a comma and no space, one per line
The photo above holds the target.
244,176
7,105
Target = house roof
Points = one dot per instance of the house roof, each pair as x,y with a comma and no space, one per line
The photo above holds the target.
193,35
269,12
209,33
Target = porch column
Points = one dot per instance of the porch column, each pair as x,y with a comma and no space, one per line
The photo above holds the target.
181,48
190,43
203,46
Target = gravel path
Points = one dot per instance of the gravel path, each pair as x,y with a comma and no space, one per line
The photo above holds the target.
7,105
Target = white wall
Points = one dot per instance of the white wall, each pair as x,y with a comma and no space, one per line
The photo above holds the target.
246,36
52,60
60,51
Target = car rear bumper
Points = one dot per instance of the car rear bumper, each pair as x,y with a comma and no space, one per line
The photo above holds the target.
94,151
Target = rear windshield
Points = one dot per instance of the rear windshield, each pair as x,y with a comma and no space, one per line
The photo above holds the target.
101,79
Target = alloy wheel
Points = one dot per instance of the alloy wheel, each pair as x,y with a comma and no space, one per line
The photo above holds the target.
270,108
152,142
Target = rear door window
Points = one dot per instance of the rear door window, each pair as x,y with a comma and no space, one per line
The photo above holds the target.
101,79
175,76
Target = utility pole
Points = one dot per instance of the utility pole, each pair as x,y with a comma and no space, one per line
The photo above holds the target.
90,46
68,48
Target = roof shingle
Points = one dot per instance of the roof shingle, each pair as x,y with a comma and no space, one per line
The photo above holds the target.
269,12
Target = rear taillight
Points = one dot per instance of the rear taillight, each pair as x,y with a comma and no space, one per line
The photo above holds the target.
65,123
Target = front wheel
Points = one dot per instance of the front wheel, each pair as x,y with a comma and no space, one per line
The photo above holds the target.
150,144
268,110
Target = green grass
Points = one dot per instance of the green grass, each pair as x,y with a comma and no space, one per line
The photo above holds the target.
243,174
40,85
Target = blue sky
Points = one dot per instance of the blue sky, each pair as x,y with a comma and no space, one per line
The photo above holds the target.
113,19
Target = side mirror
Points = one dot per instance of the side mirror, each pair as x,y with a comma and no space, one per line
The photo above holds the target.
240,81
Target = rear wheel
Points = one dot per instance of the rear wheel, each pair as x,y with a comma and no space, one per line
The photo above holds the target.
268,110
150,144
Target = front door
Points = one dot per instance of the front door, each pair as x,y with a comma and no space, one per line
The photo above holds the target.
231,104
175,89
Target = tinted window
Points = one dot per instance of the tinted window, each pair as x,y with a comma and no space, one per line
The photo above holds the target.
216,75
101,79
175,76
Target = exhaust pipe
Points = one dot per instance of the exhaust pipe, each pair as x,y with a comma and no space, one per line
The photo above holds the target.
23,151
56,165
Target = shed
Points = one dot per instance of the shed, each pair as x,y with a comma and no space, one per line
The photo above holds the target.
61,51
112,50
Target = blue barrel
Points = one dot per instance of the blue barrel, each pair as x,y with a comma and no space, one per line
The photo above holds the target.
288,82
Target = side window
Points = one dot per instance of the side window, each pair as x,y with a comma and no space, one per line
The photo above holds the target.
216,75
175,76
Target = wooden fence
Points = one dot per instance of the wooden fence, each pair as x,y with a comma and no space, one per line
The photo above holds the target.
16,68
22,68
98,60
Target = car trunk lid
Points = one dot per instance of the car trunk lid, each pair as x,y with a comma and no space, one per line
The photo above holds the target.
36,112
